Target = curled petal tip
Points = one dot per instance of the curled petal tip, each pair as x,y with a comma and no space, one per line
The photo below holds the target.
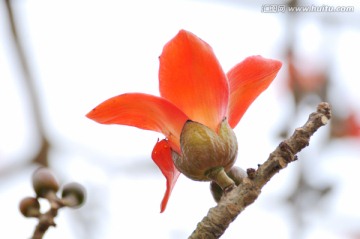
162,157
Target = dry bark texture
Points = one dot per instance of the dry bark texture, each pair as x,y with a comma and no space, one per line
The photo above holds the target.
234,202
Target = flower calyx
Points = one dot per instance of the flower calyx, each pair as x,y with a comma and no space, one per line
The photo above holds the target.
206,154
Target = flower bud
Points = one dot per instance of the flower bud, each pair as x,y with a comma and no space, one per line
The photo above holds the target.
237,174
30,207
204,150
216,191
73,195
44,181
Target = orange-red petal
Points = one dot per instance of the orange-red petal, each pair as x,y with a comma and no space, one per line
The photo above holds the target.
247,80
143,111
192,78
162,157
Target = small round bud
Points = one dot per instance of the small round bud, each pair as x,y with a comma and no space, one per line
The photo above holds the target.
237,174
44,181
73,195
216,191
30,207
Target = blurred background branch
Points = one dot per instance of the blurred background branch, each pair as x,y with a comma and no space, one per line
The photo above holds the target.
41,157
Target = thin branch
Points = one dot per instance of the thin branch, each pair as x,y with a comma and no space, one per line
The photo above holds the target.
47,219
234,202
29,81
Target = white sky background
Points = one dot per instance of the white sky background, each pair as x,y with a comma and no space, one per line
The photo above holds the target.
83,52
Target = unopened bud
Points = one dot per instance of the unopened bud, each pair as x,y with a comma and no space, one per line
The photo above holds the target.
237,174
216,191
30,207
73,195
44,181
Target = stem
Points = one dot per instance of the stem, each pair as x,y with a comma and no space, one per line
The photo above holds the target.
46,220
219,176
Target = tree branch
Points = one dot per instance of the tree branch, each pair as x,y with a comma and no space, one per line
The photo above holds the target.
234,202
29,81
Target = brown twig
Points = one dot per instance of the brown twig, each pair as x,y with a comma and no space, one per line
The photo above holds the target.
46,220
234,202
30,86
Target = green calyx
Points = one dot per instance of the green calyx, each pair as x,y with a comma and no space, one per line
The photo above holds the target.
205,151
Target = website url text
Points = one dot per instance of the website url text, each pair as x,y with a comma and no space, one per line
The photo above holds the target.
276,8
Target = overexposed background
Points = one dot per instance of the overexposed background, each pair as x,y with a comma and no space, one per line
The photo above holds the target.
83,52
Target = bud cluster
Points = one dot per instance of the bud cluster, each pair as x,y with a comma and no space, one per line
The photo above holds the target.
46,186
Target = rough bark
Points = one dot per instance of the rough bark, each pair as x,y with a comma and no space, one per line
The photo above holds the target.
234,202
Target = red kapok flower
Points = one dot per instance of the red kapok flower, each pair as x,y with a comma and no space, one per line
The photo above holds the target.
198,107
